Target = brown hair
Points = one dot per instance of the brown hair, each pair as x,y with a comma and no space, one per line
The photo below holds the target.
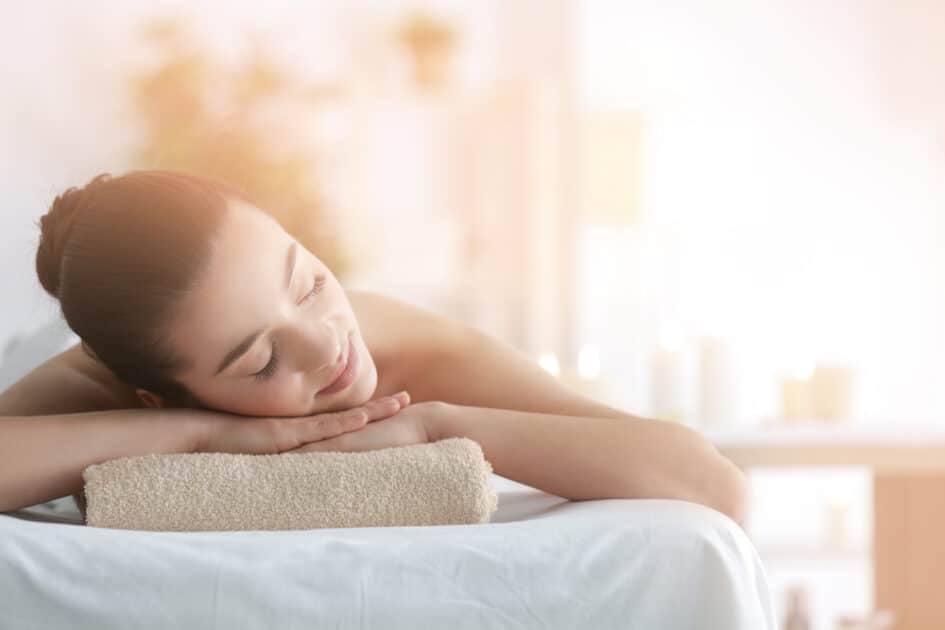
119,253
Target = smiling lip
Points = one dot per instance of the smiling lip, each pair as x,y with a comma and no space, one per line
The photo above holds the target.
347,374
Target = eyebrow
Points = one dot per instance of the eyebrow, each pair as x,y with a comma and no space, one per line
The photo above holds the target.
241,348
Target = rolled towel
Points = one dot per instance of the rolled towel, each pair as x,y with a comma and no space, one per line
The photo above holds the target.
439,483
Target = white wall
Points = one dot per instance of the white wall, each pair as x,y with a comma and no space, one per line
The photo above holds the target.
50,138
806,200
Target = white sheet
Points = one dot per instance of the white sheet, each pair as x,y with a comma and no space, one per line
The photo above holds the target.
543,562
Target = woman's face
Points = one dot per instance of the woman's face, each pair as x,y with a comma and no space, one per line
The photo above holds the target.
268,326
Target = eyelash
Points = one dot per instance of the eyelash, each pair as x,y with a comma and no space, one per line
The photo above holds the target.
317,288
270,368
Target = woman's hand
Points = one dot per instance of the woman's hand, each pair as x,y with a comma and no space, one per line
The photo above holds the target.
408,426
228,433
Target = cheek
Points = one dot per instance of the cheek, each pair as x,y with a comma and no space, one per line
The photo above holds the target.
269,401
254,399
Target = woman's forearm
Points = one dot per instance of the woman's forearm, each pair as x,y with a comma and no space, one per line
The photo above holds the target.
599,458
42,457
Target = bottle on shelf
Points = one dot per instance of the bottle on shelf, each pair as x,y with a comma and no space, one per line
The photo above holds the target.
796,615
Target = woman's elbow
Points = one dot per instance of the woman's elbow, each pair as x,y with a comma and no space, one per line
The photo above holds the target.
714,480
731,493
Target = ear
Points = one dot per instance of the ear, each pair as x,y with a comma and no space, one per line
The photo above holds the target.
149,399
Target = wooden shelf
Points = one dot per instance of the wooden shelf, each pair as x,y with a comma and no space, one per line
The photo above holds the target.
885,448
813,554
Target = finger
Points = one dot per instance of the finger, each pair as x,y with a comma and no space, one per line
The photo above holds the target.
382,408
328,426
403,397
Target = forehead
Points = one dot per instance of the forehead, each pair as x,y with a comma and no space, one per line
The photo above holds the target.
245,220
237,290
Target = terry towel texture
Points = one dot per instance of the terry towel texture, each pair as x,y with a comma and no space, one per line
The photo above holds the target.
440,483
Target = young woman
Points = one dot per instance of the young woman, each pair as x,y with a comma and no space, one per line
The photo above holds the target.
206,327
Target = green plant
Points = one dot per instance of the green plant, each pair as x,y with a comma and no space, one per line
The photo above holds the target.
431,42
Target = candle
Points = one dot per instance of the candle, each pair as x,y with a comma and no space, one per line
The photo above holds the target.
589,362
836,517
796,395
830,392
666,377
716,382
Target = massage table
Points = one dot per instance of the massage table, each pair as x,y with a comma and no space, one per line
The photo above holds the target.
541,562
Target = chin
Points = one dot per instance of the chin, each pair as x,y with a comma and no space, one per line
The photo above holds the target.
370,386
363,389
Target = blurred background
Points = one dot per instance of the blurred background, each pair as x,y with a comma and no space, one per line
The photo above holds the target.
727,214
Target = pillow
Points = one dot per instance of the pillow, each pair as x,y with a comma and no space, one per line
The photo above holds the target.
439,483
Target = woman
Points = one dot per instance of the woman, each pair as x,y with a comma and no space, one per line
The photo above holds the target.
206,327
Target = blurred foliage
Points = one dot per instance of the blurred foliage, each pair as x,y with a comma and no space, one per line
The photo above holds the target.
238,124
431,42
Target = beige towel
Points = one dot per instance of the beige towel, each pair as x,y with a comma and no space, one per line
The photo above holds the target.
440,483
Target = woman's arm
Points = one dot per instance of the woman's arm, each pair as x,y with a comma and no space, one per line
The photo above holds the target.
69,413
42,457
583,458
537,431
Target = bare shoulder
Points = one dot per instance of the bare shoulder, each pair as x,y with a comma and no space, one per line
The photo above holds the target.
438,358
390,323
70,382
79,360
407,342
372,303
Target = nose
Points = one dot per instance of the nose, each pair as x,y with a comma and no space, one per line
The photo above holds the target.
318,347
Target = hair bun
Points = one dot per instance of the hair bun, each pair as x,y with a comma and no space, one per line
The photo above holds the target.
55,227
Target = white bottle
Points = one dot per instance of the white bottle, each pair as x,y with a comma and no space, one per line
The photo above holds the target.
796,615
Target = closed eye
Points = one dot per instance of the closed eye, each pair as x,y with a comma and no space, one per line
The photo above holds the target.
316,288
270,368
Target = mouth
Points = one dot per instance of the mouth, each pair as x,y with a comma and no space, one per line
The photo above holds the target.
346,372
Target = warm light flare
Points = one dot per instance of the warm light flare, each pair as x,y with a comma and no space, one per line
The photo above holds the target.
671,337
549,361
589,362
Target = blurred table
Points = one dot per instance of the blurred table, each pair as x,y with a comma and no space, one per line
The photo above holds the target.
908,465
